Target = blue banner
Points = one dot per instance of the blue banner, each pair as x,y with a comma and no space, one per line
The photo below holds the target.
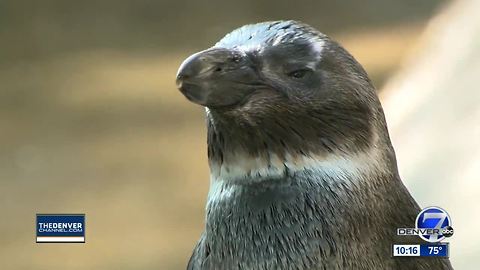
60,225
434,250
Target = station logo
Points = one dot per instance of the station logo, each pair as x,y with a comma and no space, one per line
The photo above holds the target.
433,224
60,228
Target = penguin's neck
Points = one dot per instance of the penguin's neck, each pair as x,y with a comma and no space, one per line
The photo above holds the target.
260,214
283,181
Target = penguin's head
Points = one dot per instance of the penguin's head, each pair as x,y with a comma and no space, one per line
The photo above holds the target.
280,91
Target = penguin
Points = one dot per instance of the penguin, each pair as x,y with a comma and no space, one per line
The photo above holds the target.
303,174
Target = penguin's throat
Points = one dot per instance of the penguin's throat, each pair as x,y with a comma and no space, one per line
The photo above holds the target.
242,168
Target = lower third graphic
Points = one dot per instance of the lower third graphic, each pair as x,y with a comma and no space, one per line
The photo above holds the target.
60,228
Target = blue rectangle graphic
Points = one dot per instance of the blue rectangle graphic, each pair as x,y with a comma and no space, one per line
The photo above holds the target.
434,250
60,225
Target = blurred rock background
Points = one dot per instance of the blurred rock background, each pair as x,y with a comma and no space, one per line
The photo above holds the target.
91,122
433,111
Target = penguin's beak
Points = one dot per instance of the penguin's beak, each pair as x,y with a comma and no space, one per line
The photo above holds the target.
216,77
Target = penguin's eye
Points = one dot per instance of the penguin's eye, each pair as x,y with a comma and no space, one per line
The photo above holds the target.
299,73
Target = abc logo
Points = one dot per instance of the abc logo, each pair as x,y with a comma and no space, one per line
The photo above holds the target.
447,231
434,223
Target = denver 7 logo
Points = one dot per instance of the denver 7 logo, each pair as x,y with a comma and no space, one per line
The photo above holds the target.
433,218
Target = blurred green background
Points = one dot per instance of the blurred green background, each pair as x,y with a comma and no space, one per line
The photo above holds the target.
91,121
